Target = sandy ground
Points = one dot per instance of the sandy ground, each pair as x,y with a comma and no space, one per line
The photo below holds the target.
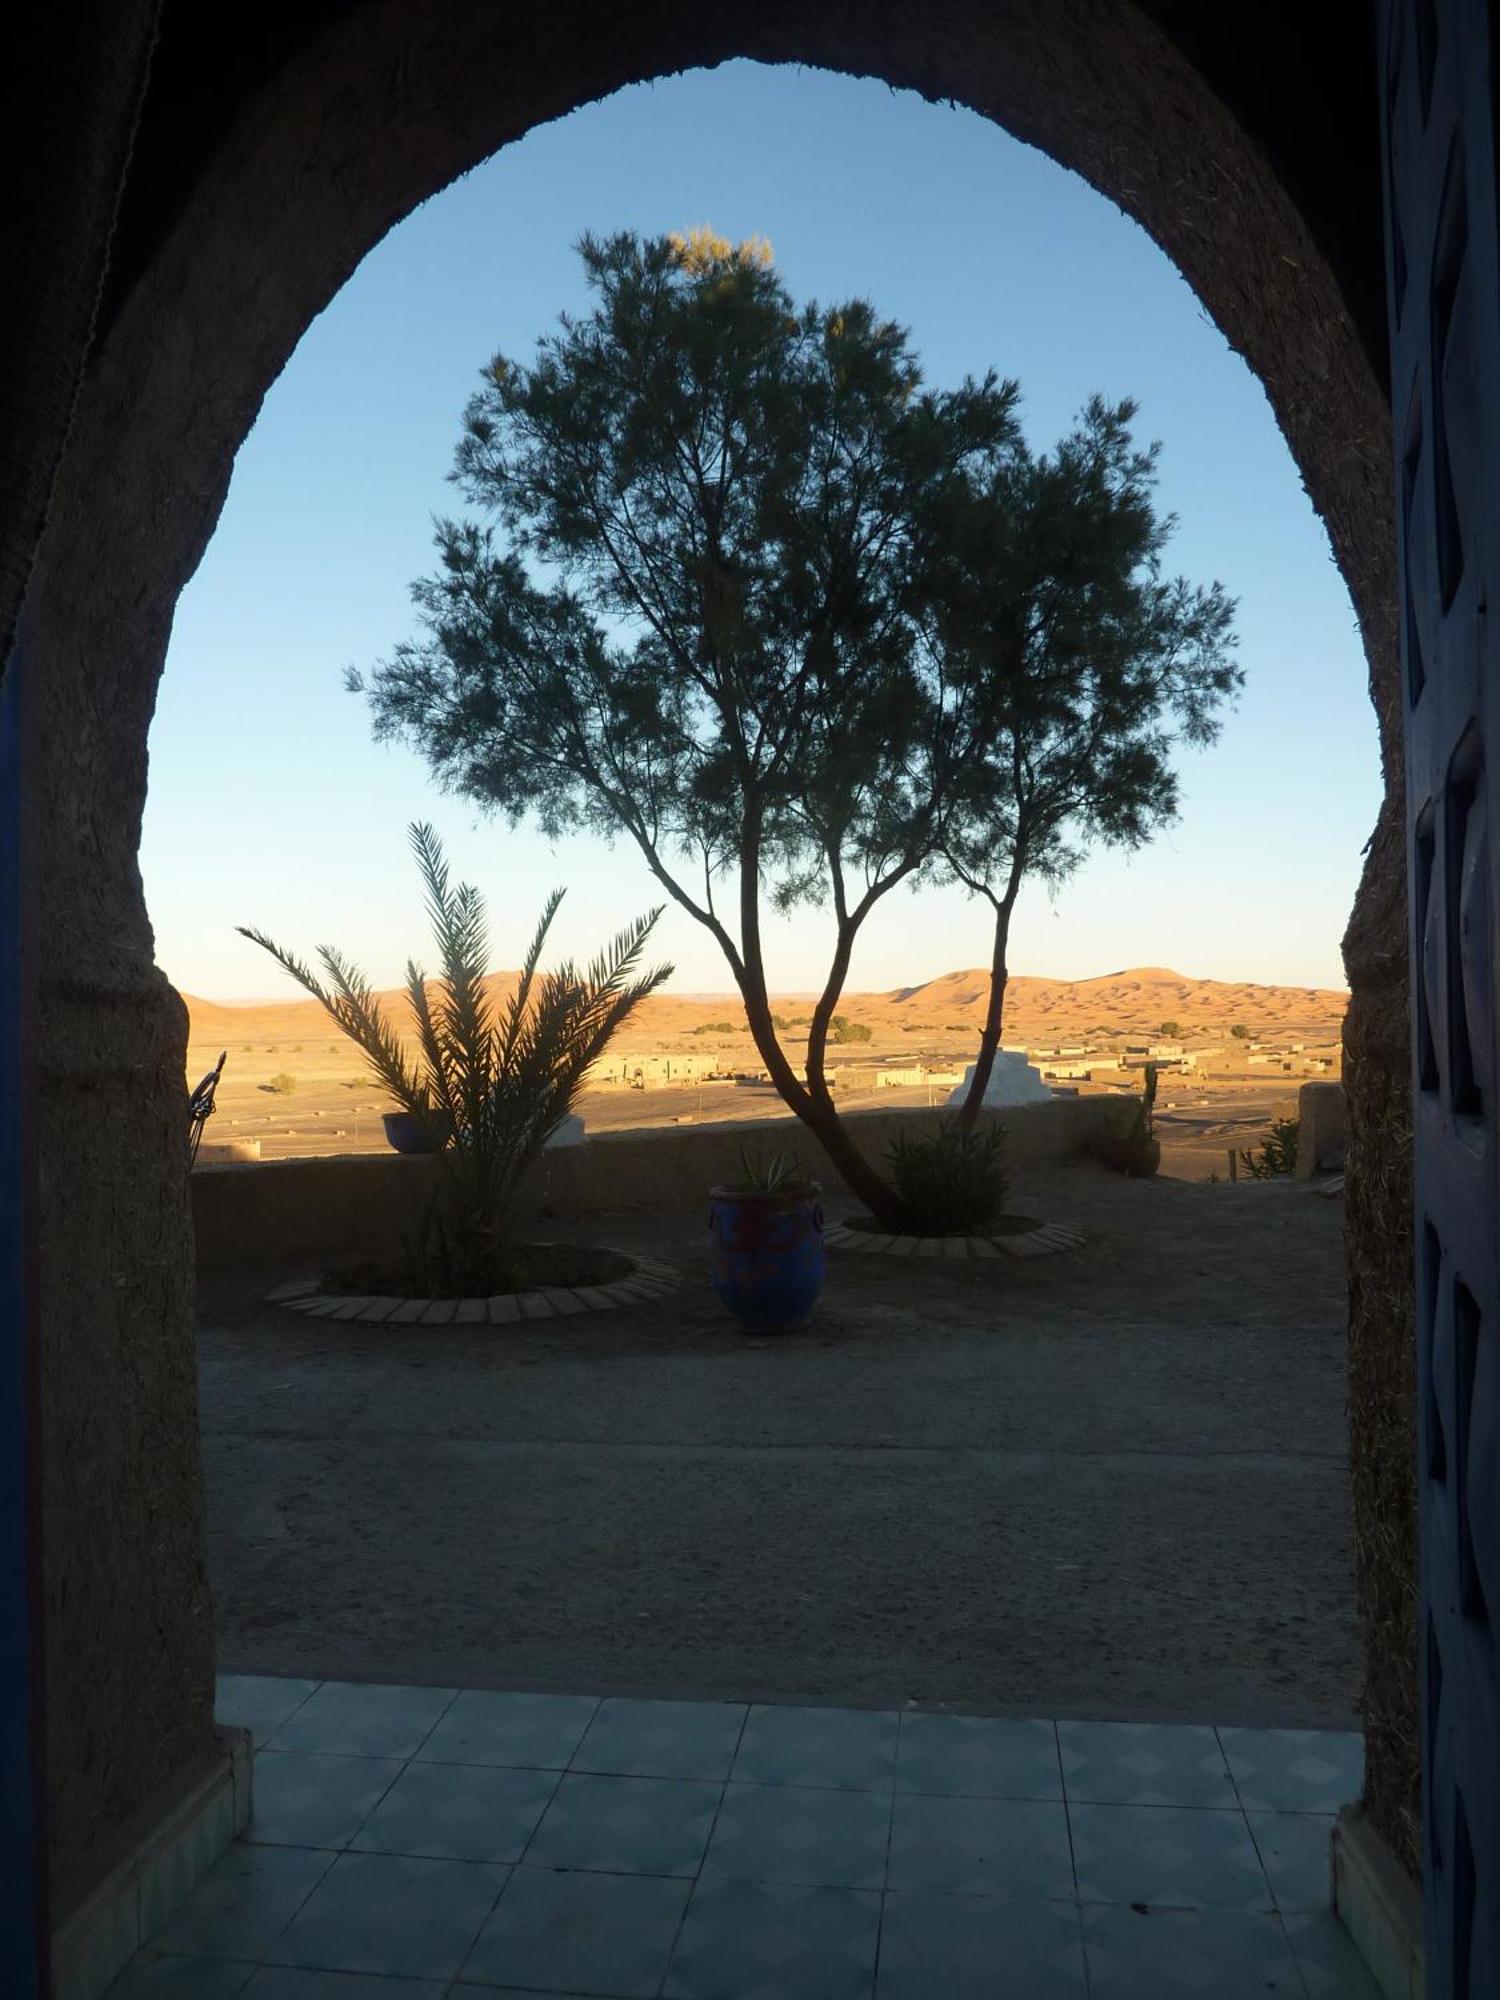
336,1109
1111,1483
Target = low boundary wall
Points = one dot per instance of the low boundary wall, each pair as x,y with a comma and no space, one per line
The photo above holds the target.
287,1213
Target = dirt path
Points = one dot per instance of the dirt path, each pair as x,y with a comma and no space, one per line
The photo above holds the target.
1108,1483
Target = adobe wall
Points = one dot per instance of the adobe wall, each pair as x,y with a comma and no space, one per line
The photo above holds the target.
378,111
285,1215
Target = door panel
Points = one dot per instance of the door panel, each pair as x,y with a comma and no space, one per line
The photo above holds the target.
1443,265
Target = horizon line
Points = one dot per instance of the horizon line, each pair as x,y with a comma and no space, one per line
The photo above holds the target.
714,995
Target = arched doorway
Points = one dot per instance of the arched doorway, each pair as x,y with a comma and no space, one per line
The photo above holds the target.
343,133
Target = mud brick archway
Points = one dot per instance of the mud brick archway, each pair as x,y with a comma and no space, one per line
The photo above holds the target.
251,197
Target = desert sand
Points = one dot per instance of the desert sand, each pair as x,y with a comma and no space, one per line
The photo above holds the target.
1136,1001
1238,1084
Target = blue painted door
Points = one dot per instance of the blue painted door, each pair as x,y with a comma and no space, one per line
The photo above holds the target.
1443,266
22,1916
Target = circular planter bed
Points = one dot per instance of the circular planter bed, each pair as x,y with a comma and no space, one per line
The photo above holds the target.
562,1279
1011,1236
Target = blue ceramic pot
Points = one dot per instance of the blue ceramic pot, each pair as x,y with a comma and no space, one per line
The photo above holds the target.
766,1255
406,1134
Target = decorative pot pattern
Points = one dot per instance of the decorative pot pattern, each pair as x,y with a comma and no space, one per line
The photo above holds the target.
766,1255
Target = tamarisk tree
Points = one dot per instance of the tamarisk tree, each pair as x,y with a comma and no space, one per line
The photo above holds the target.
1073,664
701,625
739,587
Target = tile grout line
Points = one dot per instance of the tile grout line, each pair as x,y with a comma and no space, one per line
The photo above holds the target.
512,1866
260,1956
1067,1802
890,1841
404,1764
1244,1812
698,1875
1277,1912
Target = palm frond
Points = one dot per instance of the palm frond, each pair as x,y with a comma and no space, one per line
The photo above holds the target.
438,1067
461,1018
354,1009
492,1086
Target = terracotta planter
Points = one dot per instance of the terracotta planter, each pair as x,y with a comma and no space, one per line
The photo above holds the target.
1139,1157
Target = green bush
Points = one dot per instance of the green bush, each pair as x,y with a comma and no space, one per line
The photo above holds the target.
283,1083
1276,1155
1240,1032
714,1028
950,1182
845,1030
1170,1028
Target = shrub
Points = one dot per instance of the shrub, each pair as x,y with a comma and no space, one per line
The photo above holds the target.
1240,1032
1170,1028
714,1028
845,1030
1143,1124
283,1083
1276,1155
950,1182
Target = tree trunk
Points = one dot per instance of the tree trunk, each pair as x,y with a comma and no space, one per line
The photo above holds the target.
994,1014
817,1113
813,1106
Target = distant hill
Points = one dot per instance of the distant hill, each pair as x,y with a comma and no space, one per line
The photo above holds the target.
1136,1000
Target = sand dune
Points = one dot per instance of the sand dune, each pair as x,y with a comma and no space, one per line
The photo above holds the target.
1138,999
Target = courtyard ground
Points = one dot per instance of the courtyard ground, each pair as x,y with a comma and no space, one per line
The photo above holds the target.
1110,1483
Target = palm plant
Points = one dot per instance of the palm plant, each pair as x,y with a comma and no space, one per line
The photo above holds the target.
490,1085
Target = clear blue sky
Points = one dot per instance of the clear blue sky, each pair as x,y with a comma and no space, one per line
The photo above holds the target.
269,803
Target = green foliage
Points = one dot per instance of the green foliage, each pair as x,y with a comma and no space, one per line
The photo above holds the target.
1170,1028
1073,663
283,1083
780,1023
776,1175
842,1029
738,586
714,1028
490,1085
696,628
950,1182
1240,1032
1276,1155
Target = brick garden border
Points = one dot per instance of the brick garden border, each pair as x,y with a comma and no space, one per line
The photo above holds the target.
1045,1240
648,1279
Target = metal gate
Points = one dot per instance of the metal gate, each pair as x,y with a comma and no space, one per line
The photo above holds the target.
1443,283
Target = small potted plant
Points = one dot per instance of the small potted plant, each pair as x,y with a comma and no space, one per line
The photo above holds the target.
765,1234
1137,1150
407,1133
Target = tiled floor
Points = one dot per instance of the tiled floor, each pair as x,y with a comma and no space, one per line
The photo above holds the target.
421,1844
